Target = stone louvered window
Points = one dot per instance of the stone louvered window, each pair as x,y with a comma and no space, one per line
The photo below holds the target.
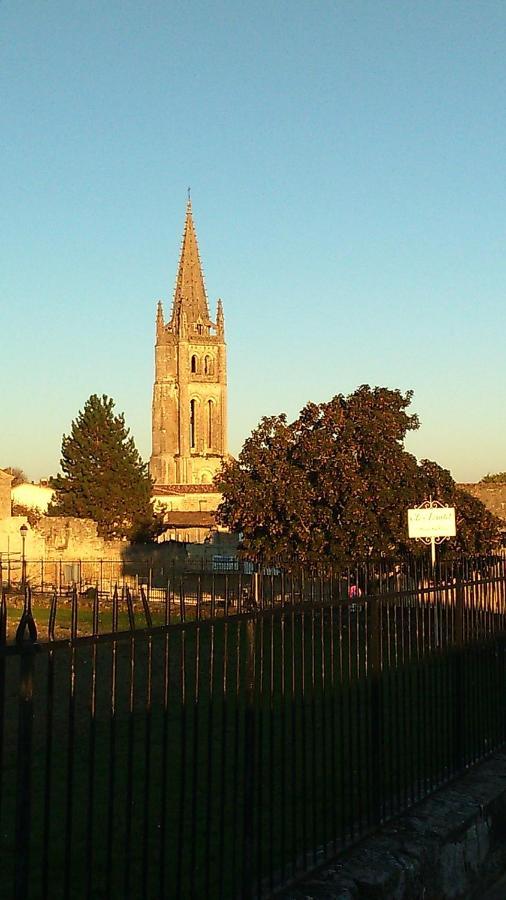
210,423
193,423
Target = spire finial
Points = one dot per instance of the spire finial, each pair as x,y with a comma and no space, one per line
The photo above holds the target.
159,318
189,195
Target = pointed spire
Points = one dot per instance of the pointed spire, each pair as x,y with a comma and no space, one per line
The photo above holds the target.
190,293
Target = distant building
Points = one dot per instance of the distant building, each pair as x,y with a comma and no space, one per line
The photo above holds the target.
32,496
5,494
189,423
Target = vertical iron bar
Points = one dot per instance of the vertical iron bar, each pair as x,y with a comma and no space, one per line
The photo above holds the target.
343,781
259,734
313,737
147,752
91,769
271,760
350,726
70,749
303,737
112,749
333,767
183,778
24,767
3,640
235,755
325,787
460,680
209,786
374,656
195,753
358,715
294,743
130,748
249,762
165,738
223,763
282,740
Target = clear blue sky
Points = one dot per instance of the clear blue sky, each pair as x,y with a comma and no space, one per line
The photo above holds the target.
347,165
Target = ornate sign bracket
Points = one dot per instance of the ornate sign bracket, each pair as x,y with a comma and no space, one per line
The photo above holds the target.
432,522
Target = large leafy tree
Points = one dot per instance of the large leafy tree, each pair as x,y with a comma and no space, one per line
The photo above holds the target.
103,477
332,486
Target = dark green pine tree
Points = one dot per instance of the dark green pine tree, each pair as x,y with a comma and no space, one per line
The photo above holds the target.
103,477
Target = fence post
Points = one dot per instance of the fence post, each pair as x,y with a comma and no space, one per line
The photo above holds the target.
375,664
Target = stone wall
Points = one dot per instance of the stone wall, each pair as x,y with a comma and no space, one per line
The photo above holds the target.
493,496
52,539
55,542
75,539
450,846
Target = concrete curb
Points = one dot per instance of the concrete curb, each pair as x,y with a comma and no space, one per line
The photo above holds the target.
450,846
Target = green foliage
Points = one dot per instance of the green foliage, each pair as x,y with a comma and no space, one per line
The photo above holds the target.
31,513
334,485
104,478
498,478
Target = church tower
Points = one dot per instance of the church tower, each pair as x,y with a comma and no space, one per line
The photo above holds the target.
189,424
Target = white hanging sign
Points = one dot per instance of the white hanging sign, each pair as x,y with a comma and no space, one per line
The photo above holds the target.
432,522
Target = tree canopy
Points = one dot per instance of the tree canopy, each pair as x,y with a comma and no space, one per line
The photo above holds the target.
103,477
497,478
18,475
335,484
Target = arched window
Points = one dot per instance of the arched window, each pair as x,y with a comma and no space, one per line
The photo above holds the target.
210,423
208,365
193,364
193,423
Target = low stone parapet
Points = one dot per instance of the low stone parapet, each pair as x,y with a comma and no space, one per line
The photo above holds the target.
452,845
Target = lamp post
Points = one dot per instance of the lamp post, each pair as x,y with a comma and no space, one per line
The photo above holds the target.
23,532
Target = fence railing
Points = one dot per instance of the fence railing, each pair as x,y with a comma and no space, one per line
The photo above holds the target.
222,738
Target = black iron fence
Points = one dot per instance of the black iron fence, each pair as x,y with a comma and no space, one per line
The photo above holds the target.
230,733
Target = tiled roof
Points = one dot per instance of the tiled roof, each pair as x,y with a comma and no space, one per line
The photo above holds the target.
167,489
192,519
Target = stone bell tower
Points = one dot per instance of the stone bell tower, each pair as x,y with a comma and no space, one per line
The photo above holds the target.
189,424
